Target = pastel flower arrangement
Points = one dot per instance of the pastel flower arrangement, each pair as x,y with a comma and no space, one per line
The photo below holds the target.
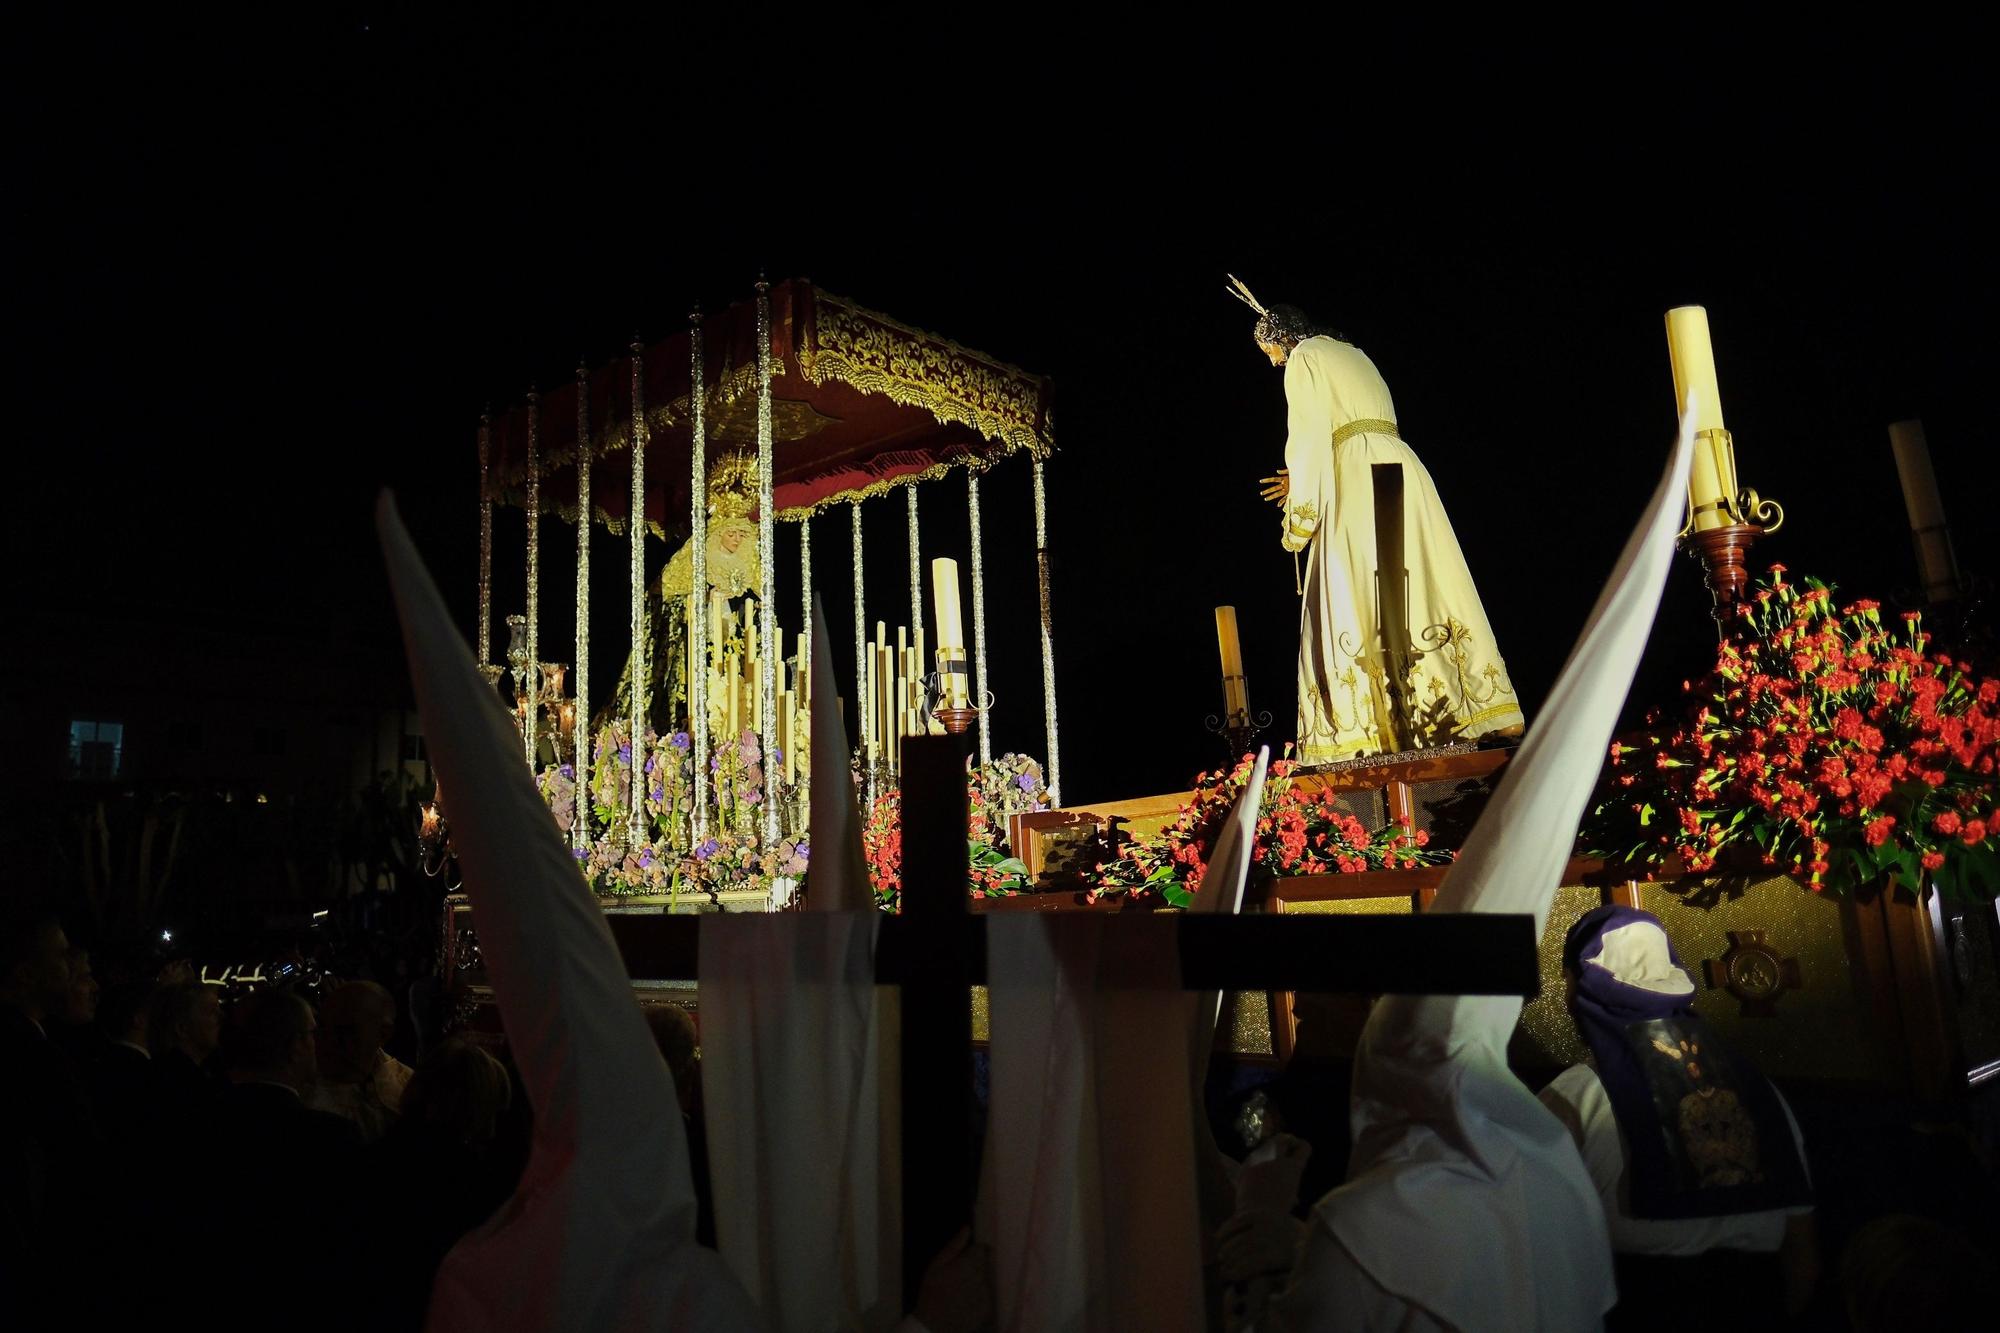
668,861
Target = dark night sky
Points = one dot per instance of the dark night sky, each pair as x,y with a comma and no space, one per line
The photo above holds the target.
261,273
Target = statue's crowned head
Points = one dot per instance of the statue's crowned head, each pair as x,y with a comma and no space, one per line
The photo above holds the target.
732,487
1280,328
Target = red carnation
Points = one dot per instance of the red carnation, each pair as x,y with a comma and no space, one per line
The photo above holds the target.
1946,823
1974,834
1873,788
1933,860
1877,831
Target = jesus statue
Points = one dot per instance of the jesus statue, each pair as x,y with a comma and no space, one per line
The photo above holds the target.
1429,672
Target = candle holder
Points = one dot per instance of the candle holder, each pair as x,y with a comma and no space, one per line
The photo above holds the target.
1724,550
1239,730
517,652
491,672
957,721
950,687
871,778
948,693
434,853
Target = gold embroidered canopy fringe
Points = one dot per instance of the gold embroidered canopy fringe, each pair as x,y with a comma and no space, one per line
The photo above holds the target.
860,404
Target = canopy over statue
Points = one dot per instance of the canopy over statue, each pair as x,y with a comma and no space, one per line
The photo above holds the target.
860,404
776,409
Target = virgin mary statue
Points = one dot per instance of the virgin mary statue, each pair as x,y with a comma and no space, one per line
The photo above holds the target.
734,575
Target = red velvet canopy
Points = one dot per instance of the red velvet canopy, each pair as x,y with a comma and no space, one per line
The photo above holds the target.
860,403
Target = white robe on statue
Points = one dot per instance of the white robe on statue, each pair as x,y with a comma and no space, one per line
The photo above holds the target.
1341,423
800,1076
1467,1205
600,1232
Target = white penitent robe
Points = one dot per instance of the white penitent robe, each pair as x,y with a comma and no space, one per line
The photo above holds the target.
600,1233
1466,1204
802,1141
1341,423
1091,1199
800,1077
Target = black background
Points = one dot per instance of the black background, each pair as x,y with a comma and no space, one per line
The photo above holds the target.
263,269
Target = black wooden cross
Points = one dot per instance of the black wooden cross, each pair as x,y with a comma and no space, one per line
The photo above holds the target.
935,950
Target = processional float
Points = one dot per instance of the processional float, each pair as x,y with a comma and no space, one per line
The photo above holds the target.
778,410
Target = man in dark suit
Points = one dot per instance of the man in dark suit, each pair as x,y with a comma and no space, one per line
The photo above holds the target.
273,1184
184,1028
122,1078
48,1138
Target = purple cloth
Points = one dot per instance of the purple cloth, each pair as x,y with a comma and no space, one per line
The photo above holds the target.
1705,1132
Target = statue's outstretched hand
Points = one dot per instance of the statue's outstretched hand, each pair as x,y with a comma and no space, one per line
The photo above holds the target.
1277,489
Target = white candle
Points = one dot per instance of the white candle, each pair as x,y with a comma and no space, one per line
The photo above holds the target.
1711,480
1693,359
785,732
885,703
1225,637
1913,469
801,744
1234,697
1936,564
944,599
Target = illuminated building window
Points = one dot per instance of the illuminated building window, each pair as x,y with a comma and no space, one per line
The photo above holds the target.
96,749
